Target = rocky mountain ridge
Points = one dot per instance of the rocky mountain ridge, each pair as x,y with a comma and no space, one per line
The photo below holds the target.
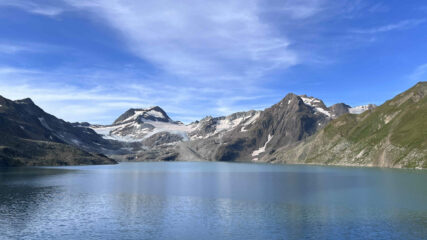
391,135
30,136
240,136
298,129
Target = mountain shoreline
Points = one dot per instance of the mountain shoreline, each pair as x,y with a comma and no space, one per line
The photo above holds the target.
297,130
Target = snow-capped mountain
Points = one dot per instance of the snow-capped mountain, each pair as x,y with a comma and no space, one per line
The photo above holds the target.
211,126
155,114
138,125
150,134
30,136
335,110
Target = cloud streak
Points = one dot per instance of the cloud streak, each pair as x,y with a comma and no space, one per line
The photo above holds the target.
406,24
420,73
192,57
101,103
45,8
199,39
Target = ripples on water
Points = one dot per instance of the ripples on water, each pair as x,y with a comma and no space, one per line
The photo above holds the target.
185,200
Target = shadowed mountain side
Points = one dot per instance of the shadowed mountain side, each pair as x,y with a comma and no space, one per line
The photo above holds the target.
30,136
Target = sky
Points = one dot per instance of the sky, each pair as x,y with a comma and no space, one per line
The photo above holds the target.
92,60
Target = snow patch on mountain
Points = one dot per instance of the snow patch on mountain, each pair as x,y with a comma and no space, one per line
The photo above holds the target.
361,109
250,121
227,124
262,149
44,123
316,104
321,110
135,132
310,101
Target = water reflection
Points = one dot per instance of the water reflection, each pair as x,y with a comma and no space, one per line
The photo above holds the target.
212,201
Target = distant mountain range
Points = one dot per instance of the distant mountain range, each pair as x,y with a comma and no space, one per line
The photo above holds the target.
298,129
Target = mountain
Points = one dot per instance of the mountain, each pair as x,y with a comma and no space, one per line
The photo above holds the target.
288,121
136,125
155,114
151,134
30,136
244,136
391,135
298,129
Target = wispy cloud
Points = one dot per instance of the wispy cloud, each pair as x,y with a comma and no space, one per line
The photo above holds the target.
419,74
46,8
98,102
200,39
12,48
27,47
406,24
198,57
300,9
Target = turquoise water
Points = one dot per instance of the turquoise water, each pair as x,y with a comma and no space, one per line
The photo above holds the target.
211,200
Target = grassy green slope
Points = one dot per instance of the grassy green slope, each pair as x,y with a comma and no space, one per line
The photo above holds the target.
392,135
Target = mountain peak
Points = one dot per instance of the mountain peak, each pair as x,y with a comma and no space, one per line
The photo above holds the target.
312,101
25,101
154,113
288,99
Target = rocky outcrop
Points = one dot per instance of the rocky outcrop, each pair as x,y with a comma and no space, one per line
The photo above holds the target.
29,136
339,109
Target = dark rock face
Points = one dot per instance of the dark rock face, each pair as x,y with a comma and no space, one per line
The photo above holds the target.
339,109
161,138
22,121
207,126
284,123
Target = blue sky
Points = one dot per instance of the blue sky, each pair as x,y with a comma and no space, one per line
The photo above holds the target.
92,60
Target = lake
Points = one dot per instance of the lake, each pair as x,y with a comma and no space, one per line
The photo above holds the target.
212,200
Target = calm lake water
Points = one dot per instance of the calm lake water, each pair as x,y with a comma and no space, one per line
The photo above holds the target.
211,200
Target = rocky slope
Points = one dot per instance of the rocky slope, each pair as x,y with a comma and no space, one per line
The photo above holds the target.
298,129
30,136
391,135
151,135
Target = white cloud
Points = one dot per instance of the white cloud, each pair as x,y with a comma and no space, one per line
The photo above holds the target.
301,9
420,73
12,48
215,56
28,47
111,93
406,24
200,39
36,7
